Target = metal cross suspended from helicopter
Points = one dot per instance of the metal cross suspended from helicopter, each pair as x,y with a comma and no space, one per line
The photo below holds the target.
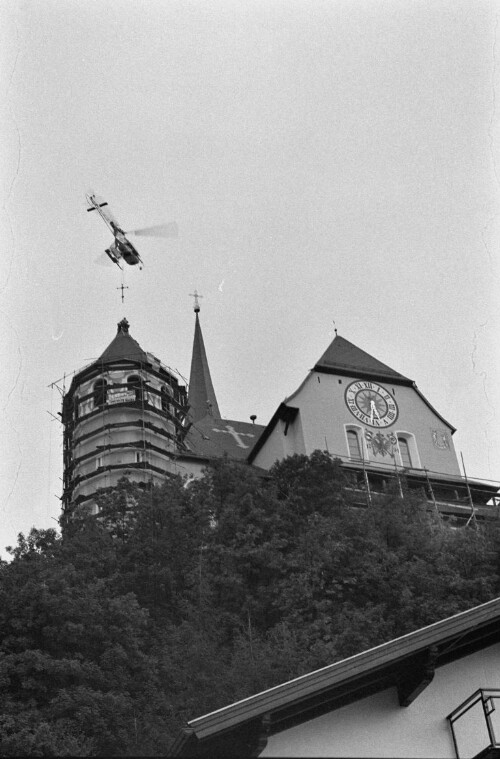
121,248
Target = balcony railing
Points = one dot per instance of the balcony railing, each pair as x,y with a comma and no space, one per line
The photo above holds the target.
475,725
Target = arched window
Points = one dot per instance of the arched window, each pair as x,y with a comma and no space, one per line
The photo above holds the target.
404,450
354,445
100,392
134,383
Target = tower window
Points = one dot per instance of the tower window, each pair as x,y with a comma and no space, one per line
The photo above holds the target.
165,398
354,445
404,449
134,383
100,392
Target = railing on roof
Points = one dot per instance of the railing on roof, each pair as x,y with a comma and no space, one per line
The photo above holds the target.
475,725
453,494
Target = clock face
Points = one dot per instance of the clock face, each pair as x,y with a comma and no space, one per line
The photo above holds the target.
371,403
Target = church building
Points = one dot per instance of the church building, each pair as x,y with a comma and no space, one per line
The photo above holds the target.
380,426
128,415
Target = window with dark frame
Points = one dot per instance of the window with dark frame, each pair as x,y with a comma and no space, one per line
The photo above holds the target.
100,392
404,449
165,398
354,445
134,383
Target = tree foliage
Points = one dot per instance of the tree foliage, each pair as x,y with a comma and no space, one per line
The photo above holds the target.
179,599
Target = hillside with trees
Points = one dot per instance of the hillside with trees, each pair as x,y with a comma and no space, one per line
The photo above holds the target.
180,599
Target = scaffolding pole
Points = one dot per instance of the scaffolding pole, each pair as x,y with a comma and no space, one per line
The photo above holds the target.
431,491
398,478
472,517
367,483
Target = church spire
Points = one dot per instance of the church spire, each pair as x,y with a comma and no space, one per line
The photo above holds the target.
201,397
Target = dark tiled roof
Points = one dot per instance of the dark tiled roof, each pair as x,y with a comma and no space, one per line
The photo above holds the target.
123,346
345,358
212,438
201,390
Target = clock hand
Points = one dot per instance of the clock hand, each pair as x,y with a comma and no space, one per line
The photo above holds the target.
373,410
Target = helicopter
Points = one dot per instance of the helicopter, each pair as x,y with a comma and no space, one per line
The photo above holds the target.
121,248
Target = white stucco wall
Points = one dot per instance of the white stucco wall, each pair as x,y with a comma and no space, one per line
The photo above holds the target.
278,445
378,727
323,416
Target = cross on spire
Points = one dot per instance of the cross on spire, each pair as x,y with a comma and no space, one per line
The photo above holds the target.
196,297
122,288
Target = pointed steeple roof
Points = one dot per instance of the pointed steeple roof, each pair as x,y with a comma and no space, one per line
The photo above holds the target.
201,396
343,357
123,346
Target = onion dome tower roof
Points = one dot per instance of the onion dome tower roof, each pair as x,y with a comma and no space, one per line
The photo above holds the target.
123,346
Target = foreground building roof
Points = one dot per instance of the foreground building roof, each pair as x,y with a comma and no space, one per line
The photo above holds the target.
407,663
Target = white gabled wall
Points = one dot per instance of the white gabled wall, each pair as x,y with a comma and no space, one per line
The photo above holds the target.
323,418
378,727
280,445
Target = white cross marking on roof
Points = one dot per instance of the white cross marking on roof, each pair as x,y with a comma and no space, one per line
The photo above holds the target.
237,435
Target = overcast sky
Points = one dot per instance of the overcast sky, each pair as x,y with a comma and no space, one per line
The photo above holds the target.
325,162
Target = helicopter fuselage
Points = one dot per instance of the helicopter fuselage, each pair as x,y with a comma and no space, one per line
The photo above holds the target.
121,247
124,248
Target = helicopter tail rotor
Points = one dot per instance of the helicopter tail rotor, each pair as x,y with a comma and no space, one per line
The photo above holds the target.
161,230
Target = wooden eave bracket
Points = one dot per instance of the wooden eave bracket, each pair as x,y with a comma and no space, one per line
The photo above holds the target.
263,735
417,676
287,414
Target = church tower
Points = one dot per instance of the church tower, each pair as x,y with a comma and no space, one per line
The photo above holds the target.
360,409
124,415
379,425
128,415
211,436
202,400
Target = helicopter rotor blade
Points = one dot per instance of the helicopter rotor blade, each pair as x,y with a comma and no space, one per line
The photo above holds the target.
161,230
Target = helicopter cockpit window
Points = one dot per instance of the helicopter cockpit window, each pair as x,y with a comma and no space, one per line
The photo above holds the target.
100,392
